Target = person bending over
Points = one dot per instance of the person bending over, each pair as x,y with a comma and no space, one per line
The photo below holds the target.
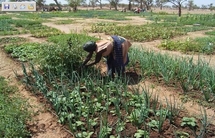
114,49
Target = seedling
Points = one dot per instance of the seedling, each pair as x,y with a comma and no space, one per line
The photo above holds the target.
141,134
189,121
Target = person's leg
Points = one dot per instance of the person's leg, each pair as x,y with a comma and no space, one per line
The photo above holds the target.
110,66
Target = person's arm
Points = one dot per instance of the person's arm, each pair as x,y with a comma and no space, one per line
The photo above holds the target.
89,56
97,59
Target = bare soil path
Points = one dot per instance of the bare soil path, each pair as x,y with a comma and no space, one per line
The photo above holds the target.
44,123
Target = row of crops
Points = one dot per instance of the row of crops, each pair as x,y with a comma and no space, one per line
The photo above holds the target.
189,19
92,105
146,32
9,26
102,14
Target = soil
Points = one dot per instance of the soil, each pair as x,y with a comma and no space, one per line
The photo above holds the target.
45,122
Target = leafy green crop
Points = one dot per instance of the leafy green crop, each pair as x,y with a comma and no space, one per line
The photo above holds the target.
201,45
210,33
13,112
25,51
62,57
146,32
9,40
190,122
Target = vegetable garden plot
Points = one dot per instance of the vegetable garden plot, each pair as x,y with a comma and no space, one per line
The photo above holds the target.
13,112
101,14
12,40
107,107
180,72
11,27
147,32
96,107
6,27
204,45
91,105
187,19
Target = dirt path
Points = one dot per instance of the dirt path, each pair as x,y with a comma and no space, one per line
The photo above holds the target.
44,123
80,24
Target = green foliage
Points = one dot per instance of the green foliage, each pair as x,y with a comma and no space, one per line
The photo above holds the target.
146,32
8,40
141,133
101,14
6,27
69,21
11,27
62,57
164,18
201,45
176,71
186,19
25,51
210,33
4,88
13,112
189,121
181,134
85,101
37,29
201,19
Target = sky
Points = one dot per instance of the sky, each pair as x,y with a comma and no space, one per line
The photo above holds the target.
197,2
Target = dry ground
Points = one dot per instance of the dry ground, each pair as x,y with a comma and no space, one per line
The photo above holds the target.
45,123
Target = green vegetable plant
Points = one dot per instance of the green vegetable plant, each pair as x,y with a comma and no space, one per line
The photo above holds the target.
189,122
14,112
141,133
24,51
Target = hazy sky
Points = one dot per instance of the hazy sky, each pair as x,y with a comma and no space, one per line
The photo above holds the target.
197,2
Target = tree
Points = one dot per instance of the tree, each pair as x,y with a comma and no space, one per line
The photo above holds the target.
75,3
52,4
58,5
40,3
203,7
196,7
100,3
92,3
177,3
160,3
129,4
211,7
190,5
114,3
140,2
148,4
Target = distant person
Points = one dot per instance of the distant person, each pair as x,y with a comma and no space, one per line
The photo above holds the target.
137,10
114,49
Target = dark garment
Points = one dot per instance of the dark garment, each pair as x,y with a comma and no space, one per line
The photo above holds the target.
116,64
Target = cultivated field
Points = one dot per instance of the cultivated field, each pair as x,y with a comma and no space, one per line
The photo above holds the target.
168,90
